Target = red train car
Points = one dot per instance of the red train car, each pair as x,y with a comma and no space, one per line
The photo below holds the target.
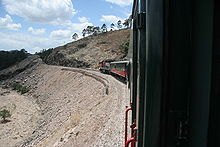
119,68
104,66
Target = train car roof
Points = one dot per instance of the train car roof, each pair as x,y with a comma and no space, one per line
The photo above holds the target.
119,62
108,60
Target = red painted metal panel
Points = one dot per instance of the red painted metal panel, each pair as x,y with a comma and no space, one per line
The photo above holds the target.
120,73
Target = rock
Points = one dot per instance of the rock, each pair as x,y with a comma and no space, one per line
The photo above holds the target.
61,139
14,137
77,133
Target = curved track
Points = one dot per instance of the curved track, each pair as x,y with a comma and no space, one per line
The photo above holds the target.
76,107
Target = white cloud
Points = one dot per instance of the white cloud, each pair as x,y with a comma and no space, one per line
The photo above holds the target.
13,26
120,2
5,20
31,43
77,27
60,34
110,19
7,23
10,41
36,31
71,29
83,19
41,11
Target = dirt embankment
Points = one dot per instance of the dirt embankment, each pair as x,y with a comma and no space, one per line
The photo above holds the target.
88,51
63,108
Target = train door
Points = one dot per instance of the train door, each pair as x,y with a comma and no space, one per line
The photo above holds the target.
202,46
187,73
174,82
151,80
177,68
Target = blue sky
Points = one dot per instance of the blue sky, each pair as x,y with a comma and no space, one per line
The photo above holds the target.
40,24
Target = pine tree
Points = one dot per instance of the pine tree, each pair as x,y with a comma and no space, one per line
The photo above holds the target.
104,28
84,32
119,24
96,30
75,36
112,26
89,30
126,23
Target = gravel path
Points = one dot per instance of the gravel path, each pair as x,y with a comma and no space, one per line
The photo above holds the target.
71,107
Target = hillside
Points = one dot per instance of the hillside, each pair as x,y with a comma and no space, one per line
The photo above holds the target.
88,51
56,106
64,107
9,58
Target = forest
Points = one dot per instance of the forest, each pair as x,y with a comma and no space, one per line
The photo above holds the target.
8,58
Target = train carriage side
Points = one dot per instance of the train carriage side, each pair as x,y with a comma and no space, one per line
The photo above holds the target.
119,68
175,73
104,66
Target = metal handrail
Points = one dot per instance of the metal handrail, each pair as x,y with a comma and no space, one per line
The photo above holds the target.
126,123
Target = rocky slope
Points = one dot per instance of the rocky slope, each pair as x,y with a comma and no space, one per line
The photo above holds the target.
64,107
87,52
32,60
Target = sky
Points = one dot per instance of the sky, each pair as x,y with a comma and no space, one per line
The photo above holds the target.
34,25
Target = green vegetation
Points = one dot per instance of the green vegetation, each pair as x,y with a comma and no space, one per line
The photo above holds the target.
127,22
102,42
45,53
95,30
8,58
124,47
4,114
19,88
82,45
112,26
75,36
104,28
119,23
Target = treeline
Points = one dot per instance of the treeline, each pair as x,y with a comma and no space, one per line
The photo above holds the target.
94,30
44,54
8,58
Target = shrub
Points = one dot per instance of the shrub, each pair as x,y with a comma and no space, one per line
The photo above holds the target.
82,45
124,47
19,88
102,42
45,53
35,96
24,90
9,58
4,114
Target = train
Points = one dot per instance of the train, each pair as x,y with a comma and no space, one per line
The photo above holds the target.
116,68
174,74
